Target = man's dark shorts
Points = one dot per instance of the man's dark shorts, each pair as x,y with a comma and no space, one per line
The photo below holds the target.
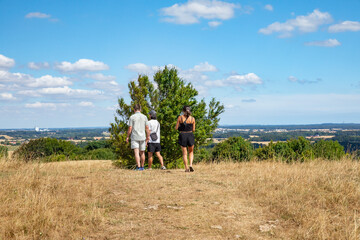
154,147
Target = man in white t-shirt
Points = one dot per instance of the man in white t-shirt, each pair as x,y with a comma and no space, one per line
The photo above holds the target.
154,145
139,133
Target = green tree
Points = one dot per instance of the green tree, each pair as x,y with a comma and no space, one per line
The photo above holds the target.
168,99
330,150
234,149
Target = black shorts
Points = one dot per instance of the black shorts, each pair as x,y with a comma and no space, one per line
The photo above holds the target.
154,147
186,139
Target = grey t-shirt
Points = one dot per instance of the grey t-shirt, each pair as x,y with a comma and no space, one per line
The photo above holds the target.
154,126
138,122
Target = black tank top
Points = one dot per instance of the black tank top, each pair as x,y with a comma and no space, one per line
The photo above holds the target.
185,126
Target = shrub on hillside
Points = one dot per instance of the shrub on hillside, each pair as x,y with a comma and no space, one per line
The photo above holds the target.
101,154
234,148
276,151
331,150
43,148
302,148
3,152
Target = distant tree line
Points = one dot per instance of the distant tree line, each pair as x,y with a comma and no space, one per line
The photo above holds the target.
63,133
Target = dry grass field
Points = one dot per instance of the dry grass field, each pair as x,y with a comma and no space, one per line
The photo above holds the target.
254,200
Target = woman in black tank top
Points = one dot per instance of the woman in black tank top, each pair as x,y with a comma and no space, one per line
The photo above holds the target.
186,126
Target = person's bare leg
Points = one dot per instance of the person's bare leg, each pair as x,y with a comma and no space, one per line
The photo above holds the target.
191,155
160,158
142,158
137,157
150,159
184,153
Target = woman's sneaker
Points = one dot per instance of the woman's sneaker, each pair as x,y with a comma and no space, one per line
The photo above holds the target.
191,169
163,168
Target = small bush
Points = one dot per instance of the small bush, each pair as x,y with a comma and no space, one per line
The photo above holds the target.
42,148
276,151
3,152
202,155
302,148
101,154
330,150
234,148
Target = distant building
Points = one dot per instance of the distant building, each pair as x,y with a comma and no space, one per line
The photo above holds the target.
37,129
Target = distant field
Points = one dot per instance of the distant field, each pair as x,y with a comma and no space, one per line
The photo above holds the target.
254,200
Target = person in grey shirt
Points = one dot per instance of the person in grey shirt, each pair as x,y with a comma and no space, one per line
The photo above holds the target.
140,134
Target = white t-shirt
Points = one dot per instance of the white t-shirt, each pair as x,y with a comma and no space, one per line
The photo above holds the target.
154,126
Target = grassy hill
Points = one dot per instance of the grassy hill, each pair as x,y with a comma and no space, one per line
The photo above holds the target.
254,200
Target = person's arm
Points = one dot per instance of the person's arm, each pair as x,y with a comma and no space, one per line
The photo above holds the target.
177,123
128,134
147,130
194,125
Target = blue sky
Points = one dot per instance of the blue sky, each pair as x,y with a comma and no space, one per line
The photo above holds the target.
65,63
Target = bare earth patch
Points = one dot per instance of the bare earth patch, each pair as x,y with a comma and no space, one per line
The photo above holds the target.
94,200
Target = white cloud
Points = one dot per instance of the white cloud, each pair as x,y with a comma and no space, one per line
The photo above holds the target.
326,43
192,11
65,91
6,62
139,68
303,81
110,87
38,66
37,15
7,96
214,23
81,65
49,81
86,104
345,26
142,68
9,77
29,81
247,79
236,80
269,7
204,67
100,77
51,106
303,24
69,92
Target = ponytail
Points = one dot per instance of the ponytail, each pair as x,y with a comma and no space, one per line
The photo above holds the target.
187,111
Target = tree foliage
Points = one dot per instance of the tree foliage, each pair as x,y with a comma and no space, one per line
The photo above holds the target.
3,152
53,150
300,150
168,99
234,149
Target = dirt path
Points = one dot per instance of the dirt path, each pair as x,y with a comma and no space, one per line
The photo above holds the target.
206,204
94,200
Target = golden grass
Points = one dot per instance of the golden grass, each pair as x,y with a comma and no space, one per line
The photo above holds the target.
254,200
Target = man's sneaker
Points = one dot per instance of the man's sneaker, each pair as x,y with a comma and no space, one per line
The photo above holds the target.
141,169
149,169
163,168
137,169
191,169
